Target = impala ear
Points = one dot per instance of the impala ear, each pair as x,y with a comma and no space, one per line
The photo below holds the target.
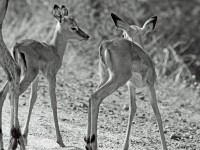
119,23
150,24
57,12
64,11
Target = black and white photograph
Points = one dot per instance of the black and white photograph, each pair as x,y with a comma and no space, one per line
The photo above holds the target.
99,75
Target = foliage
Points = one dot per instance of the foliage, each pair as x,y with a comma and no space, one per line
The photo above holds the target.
173,45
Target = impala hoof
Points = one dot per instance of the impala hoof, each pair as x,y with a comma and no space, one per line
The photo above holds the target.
88,147
61,144
87,139
92,138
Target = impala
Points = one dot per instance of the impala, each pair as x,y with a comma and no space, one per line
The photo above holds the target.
124,61
33,56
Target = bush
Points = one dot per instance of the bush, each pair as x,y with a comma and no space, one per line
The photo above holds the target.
174,45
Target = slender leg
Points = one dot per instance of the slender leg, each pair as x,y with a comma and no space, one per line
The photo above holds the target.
132,111
104,76
3,94
16,121
32,101
11,121
15,134
15,128
52,88
24,83
94,119
87,138
20,139
15,92
154,105
107,89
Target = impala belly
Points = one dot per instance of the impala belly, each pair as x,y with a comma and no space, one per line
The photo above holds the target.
139,74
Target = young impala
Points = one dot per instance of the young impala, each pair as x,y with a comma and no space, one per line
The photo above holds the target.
124,60
33,56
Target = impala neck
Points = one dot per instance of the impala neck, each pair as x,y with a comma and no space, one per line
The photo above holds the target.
59,42
141,42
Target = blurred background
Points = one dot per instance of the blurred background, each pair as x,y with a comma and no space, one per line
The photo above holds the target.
174,46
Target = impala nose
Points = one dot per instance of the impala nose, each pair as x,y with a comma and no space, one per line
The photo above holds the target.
87,36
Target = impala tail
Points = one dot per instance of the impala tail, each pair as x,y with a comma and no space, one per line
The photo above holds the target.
19,57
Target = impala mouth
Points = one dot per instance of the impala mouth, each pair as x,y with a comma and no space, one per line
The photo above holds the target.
82,34
85,38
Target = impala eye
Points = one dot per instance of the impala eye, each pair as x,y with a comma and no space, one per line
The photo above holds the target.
124,35
73,28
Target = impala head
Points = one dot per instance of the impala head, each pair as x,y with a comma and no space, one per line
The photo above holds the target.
133,32
67,26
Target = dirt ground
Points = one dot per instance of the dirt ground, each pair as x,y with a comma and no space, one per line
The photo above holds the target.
76,80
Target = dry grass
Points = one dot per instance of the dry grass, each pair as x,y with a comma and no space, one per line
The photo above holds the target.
33,20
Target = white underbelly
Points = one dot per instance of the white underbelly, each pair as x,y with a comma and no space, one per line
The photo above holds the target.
137,80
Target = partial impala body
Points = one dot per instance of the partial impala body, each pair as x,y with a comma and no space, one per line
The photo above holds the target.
33,56
124,60
12,71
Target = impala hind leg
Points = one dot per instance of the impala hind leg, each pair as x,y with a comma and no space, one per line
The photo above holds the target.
26,80
33,97
104,76
15,133
156,111
105,90
132,111
52,92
